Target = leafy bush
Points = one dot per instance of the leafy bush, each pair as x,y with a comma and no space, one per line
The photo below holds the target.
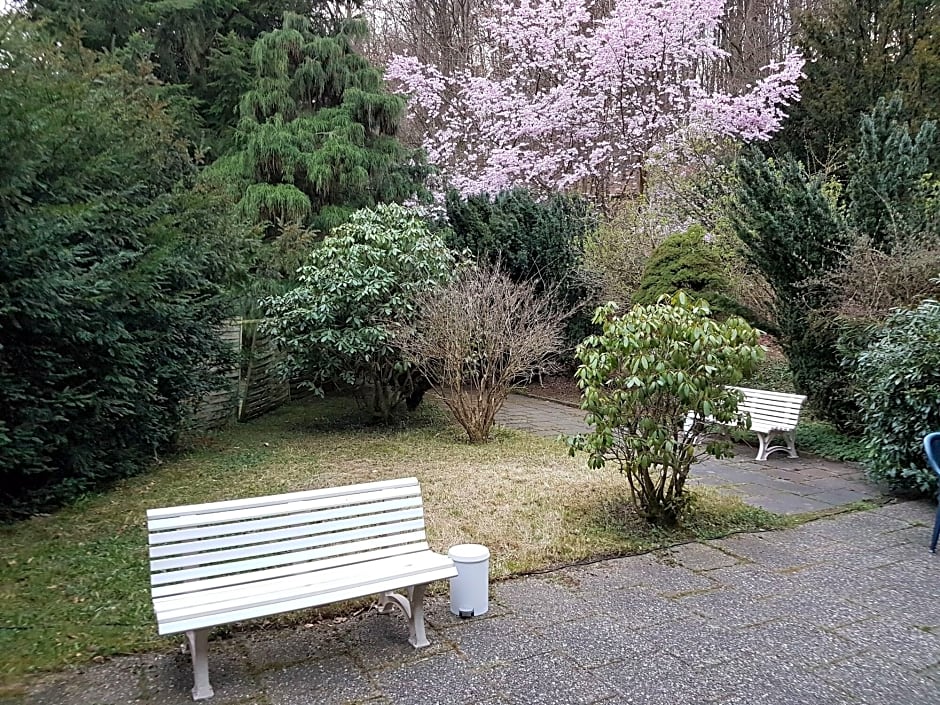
898,381
826,441
534,240
688,262
358,285
111,278
642,376
616,252
477,336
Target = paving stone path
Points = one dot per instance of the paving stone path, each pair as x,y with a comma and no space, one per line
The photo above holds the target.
839,611
779,484
842,610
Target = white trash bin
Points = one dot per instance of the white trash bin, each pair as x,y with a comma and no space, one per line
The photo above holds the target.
470,590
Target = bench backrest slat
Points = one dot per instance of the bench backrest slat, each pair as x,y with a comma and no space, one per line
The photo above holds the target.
288,504
286,547
241,527
275,499
291,532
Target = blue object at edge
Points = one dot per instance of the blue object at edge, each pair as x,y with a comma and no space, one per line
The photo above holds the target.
932,448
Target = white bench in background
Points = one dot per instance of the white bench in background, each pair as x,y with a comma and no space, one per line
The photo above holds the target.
773,415
213,564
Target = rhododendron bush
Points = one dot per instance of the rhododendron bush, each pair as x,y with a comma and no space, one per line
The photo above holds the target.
574,94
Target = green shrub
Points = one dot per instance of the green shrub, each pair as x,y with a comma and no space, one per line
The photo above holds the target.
772,374
825,440
359,284
688,262
111,277
898,382
641,377
542,241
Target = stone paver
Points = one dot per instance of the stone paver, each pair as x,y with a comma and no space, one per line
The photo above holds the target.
779,618
780,484
842,610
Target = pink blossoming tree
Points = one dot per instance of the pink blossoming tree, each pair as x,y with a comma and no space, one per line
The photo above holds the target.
579,95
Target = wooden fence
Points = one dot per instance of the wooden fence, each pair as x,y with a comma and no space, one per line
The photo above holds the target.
253,385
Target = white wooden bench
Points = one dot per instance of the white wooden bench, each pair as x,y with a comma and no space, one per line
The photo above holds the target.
212,564
773,415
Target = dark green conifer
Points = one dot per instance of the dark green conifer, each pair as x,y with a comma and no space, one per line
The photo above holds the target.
888,187
860,51
317,131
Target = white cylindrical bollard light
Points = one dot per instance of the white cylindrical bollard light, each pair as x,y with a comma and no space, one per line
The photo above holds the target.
470,590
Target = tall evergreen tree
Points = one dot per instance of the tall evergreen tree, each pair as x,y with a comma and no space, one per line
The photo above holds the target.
793,234
202,45
114,271
860,51
317,131
888,187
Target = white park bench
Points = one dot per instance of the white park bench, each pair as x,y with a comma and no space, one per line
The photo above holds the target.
213,564
773,415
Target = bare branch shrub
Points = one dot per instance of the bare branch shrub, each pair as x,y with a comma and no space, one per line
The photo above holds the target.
872,282
477,337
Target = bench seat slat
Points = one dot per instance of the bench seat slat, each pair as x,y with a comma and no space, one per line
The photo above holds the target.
292,532
270,561
289,546
331,495
282,589
224,516
191,586
240,527
382,584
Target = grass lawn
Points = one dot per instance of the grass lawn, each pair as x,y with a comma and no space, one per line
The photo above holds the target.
74,585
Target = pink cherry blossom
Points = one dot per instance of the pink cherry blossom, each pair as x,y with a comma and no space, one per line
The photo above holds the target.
572,94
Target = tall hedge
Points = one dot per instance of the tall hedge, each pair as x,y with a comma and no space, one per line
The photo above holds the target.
531,239
111,274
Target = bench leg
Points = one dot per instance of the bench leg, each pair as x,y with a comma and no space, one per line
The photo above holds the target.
199,650
762,446
416,635
413,609
791,444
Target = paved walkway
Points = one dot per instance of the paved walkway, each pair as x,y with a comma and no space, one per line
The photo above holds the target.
838,611
843,610
779,484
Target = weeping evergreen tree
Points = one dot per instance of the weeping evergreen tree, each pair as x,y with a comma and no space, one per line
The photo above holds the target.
317,131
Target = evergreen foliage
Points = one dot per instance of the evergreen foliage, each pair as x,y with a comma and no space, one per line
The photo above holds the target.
685,261
360,283
888,187
317,131
112,273
541,241
860,51
898,378
793,233
202,47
